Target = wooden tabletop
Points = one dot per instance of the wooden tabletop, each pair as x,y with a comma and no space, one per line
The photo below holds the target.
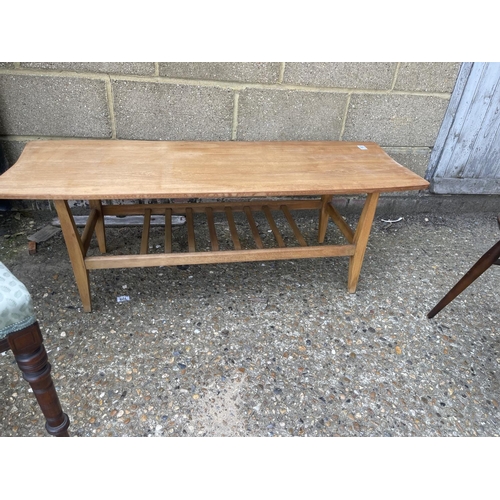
119,169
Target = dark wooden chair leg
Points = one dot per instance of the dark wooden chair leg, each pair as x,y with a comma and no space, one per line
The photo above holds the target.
29,352
487,260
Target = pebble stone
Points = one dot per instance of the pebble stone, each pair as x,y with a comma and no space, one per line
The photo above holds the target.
266,349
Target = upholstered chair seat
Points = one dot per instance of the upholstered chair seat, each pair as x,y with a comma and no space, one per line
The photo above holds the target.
16,306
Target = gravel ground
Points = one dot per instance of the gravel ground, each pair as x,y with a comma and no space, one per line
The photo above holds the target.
267,349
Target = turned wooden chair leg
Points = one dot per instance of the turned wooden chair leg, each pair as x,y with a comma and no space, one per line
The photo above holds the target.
486,261
31,357
19,332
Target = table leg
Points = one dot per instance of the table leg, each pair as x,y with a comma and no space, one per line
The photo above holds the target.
361,239
323,218
99,227
75,251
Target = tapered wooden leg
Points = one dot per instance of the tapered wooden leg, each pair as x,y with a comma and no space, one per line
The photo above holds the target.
29,352
75,251
323,218
361,239
100,231
486,261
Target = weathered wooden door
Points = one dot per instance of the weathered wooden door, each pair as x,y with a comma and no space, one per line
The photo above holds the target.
466,156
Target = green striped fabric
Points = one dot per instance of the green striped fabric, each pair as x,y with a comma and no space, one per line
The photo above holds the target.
16,306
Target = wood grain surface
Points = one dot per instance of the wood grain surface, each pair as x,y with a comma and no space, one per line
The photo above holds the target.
121,169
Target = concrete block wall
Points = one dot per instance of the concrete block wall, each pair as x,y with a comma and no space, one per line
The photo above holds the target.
398,105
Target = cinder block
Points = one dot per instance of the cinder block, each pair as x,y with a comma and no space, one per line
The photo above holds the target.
115,68
478,203
249,72
280,115
156,111
340,202
385,206
354,75
53,106
431,203
392,208
12,151
416,159
427,76
453,204
356,203
395,119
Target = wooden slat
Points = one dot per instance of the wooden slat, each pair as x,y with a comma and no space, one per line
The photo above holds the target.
211,227
89,230
44,234
190,228
223,257
126,220
273,226
253,227
232,228
449,117
345,229
236,206
484,159
168,230
469,154
293,225
474,106
145,231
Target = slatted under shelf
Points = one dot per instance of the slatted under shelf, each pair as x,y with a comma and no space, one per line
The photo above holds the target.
282,249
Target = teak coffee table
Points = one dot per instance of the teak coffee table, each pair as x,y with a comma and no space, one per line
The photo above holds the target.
99,170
